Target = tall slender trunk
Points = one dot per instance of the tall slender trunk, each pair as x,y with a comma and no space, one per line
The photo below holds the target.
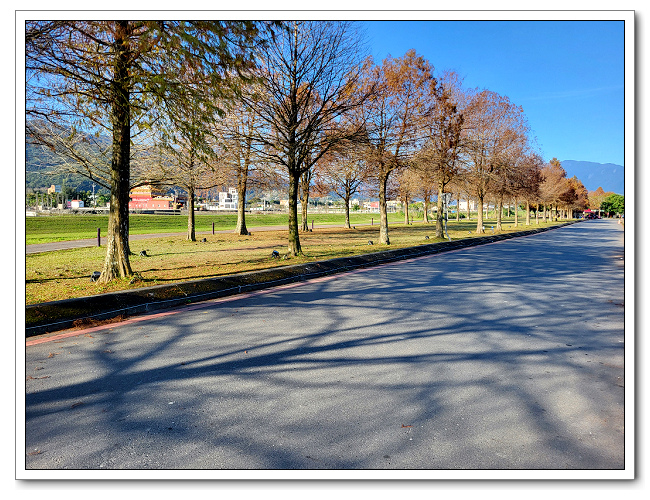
347,208
426,202
499,213
439,211
305,181
294,238
241,228
516,213
406,210
116,262
242,181
469,213
527,213
383,213
479,222
544,214
191,231
458,208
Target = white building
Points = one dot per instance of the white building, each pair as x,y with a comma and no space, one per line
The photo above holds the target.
228,201
463,205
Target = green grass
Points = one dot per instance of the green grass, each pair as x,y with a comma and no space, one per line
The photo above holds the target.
52,228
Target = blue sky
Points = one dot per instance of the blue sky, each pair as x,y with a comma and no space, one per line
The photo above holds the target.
567,75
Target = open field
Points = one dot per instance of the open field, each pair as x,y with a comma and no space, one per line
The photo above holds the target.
50,228
65,274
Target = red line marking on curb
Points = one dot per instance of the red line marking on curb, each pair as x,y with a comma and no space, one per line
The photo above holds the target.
230,298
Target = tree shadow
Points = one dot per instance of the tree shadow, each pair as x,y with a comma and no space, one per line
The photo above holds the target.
469,360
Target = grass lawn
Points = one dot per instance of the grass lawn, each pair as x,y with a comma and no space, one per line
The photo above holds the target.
65,274
50,228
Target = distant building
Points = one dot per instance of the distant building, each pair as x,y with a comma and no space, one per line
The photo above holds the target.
149,197
463,205
393,205
284,204
371,206
53,189
76,204
228,200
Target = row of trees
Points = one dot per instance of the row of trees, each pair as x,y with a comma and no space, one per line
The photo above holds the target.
201,104
35,198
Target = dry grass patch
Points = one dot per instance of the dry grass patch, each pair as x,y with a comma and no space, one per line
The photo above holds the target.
66,273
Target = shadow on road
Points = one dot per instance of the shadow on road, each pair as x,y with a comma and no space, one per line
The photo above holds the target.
474,359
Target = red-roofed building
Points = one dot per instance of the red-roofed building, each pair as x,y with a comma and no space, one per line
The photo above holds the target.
150,198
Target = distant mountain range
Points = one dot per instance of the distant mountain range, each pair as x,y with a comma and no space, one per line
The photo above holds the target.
593,175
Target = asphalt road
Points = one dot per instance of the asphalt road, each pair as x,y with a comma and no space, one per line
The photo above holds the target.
503,356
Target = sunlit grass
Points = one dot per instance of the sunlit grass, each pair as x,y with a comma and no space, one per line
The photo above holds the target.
50,228
66,273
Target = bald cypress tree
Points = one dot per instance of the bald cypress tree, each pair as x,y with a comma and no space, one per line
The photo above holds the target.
118,78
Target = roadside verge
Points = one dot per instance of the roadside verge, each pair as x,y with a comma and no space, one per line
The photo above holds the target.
49,317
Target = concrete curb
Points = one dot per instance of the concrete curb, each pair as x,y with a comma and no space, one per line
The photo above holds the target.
48,317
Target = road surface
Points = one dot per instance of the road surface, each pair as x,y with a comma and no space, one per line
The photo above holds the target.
503,356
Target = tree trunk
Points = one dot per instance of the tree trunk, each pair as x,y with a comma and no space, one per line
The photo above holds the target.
469,213
499,212
383,214
458,208
347,209
116,263
294,238
242,180
406,210
479,223
191,233
305,180
516,213
439,214
426,202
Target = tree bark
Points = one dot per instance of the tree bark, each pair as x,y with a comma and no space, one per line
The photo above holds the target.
347,208
294,238
406,210
305,180
383,213
116,262
479,222
439,212
191,232
499,212
426,204
242,180
516,213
